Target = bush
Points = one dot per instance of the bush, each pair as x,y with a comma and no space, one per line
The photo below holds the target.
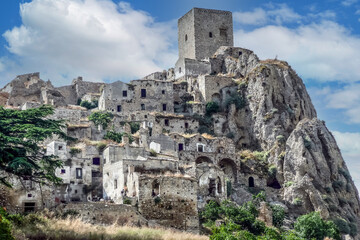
338,185
101,147
5,229
307,142
157,200
312,226
114,136
280,138
353,229
236,99
89,105
297,202
100,118
345,173
211,211
278,215
342,225
74,151
127,201
134,126
70,214
211,108
272,170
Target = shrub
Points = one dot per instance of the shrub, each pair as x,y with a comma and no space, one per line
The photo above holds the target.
157,200
342,201
114,136
342,225
328,189
278,215
153,153
127,201
261,156
289,184
5,229
280,138
89,105
272,170
297,202
100,118
70,213
74,151
353,229
312,226
101,147
349,188
307,142
134,126
337,185
211,108
345,173
236,99
282,155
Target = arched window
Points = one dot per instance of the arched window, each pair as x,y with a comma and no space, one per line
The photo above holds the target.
186,37
251,182
210,35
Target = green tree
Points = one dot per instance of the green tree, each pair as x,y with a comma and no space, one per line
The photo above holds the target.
212,107
312,226
21,133
100,118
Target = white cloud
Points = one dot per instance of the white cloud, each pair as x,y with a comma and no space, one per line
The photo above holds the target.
256,17
347,99
277,14
349,143
324,51
348,3
94,38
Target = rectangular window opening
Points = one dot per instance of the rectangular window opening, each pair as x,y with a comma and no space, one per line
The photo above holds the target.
96,161
143,93
124,93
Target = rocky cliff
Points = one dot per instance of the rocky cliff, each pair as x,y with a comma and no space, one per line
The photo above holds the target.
280,119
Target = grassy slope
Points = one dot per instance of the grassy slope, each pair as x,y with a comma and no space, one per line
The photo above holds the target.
75,229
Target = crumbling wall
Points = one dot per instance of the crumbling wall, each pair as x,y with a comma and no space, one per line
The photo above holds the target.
175,203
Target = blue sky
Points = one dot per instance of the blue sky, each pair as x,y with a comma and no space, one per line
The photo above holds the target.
104,40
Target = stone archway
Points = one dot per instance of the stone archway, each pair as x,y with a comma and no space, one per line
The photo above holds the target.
251,182
229,168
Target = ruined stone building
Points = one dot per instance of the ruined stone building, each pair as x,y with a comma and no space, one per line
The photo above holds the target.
184,152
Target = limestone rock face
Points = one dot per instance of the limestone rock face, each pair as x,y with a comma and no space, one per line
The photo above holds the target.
316,173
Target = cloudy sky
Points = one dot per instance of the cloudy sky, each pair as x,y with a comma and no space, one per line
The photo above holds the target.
104,40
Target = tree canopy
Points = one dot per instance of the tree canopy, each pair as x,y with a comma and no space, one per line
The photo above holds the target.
21,152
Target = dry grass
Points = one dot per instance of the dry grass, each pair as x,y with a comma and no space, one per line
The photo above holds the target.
75,229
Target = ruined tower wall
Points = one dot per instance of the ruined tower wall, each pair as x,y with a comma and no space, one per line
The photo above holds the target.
202,31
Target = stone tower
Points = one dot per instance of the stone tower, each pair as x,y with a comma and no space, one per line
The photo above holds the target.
200,33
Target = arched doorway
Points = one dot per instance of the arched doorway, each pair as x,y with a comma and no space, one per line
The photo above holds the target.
251,182
229,168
